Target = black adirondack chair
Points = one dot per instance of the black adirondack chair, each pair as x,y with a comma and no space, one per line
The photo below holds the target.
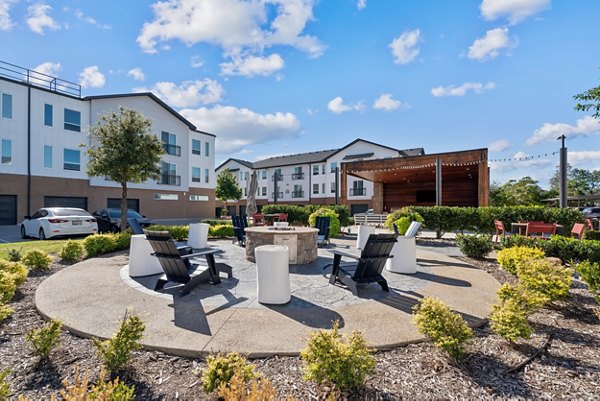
322,223
182,268
368,266
239,225
135,225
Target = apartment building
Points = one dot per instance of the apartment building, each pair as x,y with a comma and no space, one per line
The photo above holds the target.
311,178
44,125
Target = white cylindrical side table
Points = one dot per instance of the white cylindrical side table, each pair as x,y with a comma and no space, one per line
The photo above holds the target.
272,274
404,255
198,235
363,235
141,261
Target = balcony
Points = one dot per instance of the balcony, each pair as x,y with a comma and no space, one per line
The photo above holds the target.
279,177
298,176
279,195
298,194
172,149
170,179
358,191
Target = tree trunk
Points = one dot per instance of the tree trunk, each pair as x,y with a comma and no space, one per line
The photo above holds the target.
123,206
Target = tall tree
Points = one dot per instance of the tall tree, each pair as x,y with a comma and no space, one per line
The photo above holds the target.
579,181
124,150
590,99
227,187
525,191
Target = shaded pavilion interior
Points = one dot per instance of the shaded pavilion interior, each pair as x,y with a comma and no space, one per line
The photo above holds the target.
463,178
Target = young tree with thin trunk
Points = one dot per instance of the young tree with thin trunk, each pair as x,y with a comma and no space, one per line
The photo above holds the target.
227,187
124,150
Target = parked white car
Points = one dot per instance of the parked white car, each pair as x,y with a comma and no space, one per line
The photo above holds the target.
51,222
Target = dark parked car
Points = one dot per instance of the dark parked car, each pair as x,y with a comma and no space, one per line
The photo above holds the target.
109,220
592,213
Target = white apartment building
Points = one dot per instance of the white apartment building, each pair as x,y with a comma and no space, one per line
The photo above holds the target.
44,121
310,178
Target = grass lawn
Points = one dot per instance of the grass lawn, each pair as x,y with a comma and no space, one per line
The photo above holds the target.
50,246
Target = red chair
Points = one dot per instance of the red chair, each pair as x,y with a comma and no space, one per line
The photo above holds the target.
283,217
258,219
538,230
589,223
577,230
500,231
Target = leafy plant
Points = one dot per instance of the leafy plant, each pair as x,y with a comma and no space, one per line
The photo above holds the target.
14,255
447,329
37,259
590,273
260,389
216,222
550,279
509,319
334,222
221,231
18,269
8,286
99,243
102,390
116,351
71,251
44,339
5,392
178,233
592,235
221,369
511,258
330,357
524,297
5,311
474,246
406,214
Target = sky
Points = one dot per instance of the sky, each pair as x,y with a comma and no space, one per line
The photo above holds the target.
275,77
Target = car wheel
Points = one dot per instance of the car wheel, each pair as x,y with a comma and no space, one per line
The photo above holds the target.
23,233
42,235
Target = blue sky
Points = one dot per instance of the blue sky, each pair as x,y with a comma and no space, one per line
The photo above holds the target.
272,77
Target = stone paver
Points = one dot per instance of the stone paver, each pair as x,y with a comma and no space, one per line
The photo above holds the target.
92,297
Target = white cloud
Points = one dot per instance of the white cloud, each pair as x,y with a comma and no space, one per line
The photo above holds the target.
136,73
385,102
404,47
499,146
48,68
196,62
515,10
585,126
188,94
522,160
238,128
80,16
253,65
476,87
491,44
361,4
337,106
577,158
38,18
235,25
91,77
6,23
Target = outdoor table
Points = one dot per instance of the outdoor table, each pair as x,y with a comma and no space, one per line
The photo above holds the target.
272,274
141,261
521,227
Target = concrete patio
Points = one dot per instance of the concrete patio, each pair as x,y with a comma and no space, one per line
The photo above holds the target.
91,298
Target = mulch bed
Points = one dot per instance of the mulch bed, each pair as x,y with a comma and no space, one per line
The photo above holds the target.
568,366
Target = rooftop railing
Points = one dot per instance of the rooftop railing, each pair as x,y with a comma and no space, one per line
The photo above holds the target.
39,79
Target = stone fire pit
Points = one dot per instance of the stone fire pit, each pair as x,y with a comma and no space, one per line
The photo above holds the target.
301,242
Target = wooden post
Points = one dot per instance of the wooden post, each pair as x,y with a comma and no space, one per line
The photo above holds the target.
438,182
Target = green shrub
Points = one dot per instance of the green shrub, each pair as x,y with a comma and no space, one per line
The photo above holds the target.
221,369
216,222
297,215
474,246
590,273
5,311
509,319
592,235
71,251
116,351
178,233
343,214
334,223
37,259
103,390
43,340
19,270
4,385
511,258
329,357
527,299
547,278
122,240
98,244
222,231
447,330
14,255
408,212
8,286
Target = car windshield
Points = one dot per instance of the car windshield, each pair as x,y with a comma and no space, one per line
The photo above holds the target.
70,212
131,214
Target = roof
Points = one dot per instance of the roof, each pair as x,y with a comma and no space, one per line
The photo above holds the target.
157,100
245,163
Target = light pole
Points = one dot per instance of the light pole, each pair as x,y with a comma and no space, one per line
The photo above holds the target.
563,173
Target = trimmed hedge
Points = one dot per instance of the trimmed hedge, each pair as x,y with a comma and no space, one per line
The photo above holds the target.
178,233
569,250
98,244
298,215
216,222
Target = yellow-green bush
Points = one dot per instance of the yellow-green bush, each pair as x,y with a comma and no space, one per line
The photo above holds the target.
221,369
330,357
221,231
44,339
116,351
5,311
178,233
98,244
102,390
550,279
447,329
8,286
37,259
18,269
527,299
590,273
511,258
259,389
509,319
334,222
5,392
71,251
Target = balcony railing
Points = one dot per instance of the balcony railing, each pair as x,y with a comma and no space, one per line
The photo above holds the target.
279,177
38,79
358,191
170,179
298,194
298,176
279,195
172,149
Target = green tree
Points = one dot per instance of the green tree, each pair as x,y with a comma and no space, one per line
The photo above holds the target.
579,181
525,192
124,150
227,187
590,99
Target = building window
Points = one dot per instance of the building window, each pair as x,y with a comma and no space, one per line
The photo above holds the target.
48,115
264,174
298,192
241,176
6,105
322,169
72,120
196,174
206,175
298,174
246,176
358,188
206,149
333,187
315,169
323,188
72,160
315,189
168,174
245,191
264,191
169,143
198,198
278,174
196,147
47,156
333,167
6,151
